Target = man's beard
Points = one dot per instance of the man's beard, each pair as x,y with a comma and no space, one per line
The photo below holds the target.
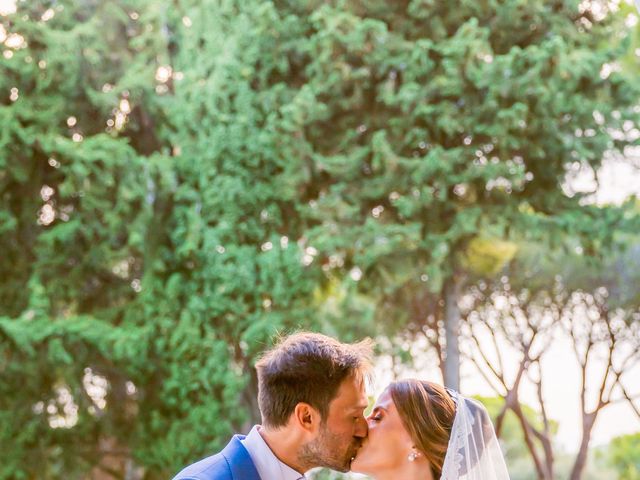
325,451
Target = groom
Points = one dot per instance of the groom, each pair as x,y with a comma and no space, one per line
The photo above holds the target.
312,399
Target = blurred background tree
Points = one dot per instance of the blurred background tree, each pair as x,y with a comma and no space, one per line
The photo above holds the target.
545,296
179,183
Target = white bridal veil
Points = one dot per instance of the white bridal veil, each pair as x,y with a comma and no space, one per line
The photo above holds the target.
474,452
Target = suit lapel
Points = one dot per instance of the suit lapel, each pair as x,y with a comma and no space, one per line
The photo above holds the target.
242,467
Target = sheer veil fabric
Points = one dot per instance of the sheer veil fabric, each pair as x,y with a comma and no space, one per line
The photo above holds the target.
473,452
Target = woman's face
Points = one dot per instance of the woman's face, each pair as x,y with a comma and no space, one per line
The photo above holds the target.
388,444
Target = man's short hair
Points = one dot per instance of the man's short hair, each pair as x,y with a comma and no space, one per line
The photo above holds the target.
307,367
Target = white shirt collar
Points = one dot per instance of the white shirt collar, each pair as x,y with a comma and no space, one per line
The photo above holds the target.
269,467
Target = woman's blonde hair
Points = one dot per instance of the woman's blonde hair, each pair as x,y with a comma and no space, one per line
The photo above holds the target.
427,412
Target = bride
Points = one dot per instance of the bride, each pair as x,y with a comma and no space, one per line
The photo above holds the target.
420,430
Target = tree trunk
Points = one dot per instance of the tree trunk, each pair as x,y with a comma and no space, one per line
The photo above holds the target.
541,471
548,456
581,459
452,330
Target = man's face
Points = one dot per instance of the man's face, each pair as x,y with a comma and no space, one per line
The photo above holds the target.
340,437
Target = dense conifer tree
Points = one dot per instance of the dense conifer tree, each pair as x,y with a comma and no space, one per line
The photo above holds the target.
180,181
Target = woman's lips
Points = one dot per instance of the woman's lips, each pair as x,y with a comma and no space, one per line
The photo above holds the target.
357,452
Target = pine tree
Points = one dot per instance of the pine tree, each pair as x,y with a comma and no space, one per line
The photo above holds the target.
438,133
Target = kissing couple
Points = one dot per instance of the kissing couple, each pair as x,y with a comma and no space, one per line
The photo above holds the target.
312,399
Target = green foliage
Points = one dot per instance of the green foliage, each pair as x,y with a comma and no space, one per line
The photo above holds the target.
624,456
432,129
487,256
161,263
536,268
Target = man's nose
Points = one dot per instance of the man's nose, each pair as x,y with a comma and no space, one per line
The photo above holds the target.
362,429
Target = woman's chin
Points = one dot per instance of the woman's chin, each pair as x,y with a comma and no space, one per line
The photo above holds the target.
358,465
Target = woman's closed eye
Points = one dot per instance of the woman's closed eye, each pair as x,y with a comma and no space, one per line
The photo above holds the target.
376,417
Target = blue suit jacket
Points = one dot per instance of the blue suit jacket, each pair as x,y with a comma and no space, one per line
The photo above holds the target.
232,463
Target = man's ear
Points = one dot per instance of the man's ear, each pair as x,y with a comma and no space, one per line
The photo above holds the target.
306,417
